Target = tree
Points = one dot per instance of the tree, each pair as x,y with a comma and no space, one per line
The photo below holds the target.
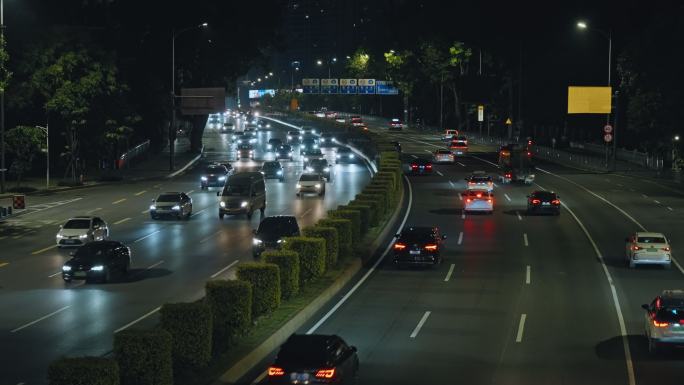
401,70
24,143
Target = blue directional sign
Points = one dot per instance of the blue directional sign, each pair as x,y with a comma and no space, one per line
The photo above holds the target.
385,87
329,86
348,86
311,86
366,86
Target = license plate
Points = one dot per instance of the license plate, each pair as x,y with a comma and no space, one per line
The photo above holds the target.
300,377
414,252
651,249
80,274
546,204
70,241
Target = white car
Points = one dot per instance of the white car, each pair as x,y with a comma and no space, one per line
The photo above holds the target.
643,248
443,156
311,183
478,200
664,320
479,180
78,231
448,134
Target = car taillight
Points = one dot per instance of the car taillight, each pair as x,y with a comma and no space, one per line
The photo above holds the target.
399,246
536,201
275,371
665,249
468,200
529,153
489,201
508,175
479,195
325,373
431,247
555,202
635,248
414,166
658,324
428,166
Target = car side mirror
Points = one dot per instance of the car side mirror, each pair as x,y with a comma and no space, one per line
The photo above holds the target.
443,236
218,193
644,306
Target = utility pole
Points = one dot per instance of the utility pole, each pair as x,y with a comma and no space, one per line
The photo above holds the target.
519,122
3,167
441,101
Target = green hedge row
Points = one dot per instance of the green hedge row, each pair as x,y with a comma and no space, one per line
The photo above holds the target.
374,212
364,214
144,356
344,234
288,265
190,326
332,242
230,302
84,371
354,217
382,200
265,281
312,256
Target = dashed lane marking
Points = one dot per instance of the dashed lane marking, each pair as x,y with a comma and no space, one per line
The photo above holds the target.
527,243
211,236
521,328
527,275
152,266
669,208
40,319
422,321
146,236
656,201
519,216
461,164
451,271
139,193
93,210
460,237
137,320
43,250
439,173
122,221
224,269
119,201
305,213
507,197
3,264
644,196
462,214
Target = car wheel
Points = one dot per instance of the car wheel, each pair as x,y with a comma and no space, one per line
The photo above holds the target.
220,215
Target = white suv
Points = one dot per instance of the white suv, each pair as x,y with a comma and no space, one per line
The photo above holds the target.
78,231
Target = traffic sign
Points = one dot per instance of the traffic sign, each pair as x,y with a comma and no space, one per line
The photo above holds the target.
509,121
329,86
607,128
480,113
347,86
311,86
366,86
386,87
608,138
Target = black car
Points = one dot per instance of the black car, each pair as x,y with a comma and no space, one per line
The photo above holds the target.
308,145
345,155
327,140
312,155
273,143
314,358
418,246
214,175
284,151
320,167
99,260
309,130
421,167
273,170
271,232
543,202
245,151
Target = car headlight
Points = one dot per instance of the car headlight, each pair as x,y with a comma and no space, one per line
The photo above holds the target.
153,207
222,178
317,185
309,169
257,242
269,146
176,207
299,185
83,236
351,156
315,146
338,156
327,169
244,204
97,268
306,158
204,178
280,172
334,140
268,125
59,236
291,153
222,204
66,268
280,241
289,137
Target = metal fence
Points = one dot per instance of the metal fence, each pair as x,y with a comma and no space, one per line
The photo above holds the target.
131,155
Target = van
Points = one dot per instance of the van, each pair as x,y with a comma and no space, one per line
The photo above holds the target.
243,193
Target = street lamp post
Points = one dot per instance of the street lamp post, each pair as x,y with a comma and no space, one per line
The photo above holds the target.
46,130
172,128
3,168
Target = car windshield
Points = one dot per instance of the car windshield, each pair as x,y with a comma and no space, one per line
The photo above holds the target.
168,198
271,165
651,240
277,226
544,195
77,224
302,354
293,133
91,251
214,170
670,314
245,147
236,189
481,179
309,177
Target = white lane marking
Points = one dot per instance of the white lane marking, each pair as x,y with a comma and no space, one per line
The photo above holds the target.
644,196
137,320
461,164
224,269
369,272
414,157
657,202
190,192
528,271
527,243
507,197
154,265
415,332
632,190
451,271
495,185
462,214
669,208
122,221
146,236
439,173
40,319
119,201
428,151
519,216
156,186
145,212
620,185
140,193
460,196
452,184
616,301
460,237
198,213
521,328
45,249
93,210
305,213
211,236
54,275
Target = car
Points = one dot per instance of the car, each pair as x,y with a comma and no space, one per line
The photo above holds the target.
362,126
664,320
395,124
418,245
214,175
308,145
314,359
459,146
243,193
321,167
250,131
331,115
245,139
261,125
311,155
448,134
245,151
479,180
284,151
309,130
478,200
543,202
311,183
345,155
327,140
643,248
443,156
227,126
214,122
293,136
172,204
78,231
98,260
420,167
273,170
271,232
356,121
250,125
273,143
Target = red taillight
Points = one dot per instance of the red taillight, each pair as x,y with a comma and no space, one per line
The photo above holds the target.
399,246
429,166
529,153
555,202
468,200
414,166
635,248
479,195
275,371
489,201
536,201
325,373
508,175
660,324
431,247
665,249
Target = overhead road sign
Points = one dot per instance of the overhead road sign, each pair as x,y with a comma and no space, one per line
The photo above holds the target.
385,87
348,86
589,100
311,86
480,113
202,101
366,86
329,86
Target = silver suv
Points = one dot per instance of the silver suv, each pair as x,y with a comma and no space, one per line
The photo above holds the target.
664,320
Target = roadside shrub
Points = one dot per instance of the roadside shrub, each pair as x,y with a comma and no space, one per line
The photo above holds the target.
373,212
84,371
144,357
190,326
288,265
364,214
387,175
265,280
230,302
389,155
343,227
311,257
332,242
354,217
377,196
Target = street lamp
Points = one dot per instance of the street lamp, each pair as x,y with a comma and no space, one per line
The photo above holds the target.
319,62
46,130
172,128
3,169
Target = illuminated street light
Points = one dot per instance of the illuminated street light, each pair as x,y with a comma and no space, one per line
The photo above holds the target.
270,74
258,79
334,60
319,62
580,24
676,138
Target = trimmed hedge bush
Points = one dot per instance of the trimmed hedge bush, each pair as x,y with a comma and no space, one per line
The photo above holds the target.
332,242
311,257
373,212
387,175
84,371
230,302
383,200
191,330
265,280
385,192
288,265
144,356
386,155
354,217
364,214
343,227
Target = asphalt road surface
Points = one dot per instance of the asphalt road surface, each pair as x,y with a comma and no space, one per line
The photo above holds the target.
43,318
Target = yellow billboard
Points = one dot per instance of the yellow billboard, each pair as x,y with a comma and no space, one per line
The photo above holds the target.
589,100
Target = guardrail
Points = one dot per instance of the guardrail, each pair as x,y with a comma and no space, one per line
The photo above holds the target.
126,158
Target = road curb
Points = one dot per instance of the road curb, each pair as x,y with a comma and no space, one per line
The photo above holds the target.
247,363
188,165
